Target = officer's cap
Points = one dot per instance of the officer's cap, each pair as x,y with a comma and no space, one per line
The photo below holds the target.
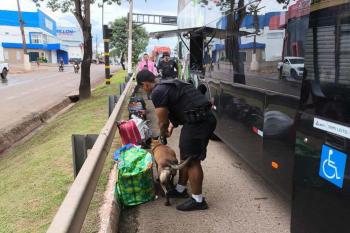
145,76
166,54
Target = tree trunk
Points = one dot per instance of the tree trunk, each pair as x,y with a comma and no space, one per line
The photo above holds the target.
85,86
233,24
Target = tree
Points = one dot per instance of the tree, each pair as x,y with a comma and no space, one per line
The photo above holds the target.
119,40
236,10
81,11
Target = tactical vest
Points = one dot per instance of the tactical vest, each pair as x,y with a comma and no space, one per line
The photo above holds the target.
168,69
187,98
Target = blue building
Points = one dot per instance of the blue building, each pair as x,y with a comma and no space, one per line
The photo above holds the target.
41,37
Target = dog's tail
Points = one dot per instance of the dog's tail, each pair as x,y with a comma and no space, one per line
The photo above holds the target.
181,165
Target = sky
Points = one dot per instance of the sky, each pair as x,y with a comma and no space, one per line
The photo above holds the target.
114,11
167,7
111,12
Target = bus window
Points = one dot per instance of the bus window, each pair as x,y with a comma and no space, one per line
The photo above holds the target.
273,40
328,67
218,65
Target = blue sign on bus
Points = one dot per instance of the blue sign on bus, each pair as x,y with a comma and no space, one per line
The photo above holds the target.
332,165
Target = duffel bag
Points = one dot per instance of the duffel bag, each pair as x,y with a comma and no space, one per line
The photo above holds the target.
135,177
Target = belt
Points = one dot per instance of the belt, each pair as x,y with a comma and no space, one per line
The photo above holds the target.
198,114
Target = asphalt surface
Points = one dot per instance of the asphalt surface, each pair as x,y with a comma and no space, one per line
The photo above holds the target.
23,95
239,200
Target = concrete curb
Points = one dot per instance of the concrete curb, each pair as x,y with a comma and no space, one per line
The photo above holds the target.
28,125
110,210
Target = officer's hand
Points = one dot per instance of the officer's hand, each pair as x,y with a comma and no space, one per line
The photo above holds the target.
170,130
163,140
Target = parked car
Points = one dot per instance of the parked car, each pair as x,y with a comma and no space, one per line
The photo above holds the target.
4,69
291,67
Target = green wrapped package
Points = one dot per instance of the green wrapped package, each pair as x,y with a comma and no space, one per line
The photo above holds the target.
135,177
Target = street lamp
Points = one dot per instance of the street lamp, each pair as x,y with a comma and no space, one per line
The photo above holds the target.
102,6
21,23
26,63
130,38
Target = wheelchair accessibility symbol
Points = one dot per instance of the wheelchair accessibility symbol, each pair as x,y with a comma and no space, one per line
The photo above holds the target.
332,165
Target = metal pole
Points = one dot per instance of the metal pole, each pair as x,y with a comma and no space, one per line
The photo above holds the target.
96,55
103,3
106,55
106,49
130,39
103,11
21,23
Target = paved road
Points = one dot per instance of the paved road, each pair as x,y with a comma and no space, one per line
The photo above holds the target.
26,94
239,201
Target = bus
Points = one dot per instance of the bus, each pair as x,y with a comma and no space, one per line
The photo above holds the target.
292,129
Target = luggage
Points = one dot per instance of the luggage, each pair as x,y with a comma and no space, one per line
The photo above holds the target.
136,99
129,132
137,107
135,177
143,127
145,131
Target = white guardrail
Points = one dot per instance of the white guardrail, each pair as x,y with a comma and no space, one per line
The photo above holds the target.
72,212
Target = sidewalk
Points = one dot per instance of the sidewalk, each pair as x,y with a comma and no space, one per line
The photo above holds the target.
239,200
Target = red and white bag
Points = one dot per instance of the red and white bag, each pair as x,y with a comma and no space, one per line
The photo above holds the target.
129,133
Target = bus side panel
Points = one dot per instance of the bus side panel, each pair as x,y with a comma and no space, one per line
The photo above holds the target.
241,123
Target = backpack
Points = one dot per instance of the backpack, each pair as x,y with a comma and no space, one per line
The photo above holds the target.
137,106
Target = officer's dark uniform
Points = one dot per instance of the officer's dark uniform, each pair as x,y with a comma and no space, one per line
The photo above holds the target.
168,69
187,107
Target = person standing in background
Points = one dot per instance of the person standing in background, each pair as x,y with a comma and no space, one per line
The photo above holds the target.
167,67
146,64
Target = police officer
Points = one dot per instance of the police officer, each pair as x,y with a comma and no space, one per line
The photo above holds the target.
179,103
167,67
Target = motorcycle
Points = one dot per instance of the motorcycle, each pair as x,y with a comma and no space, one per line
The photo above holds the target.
76,68
60,68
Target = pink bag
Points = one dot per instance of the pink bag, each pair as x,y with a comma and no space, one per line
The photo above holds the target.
129,132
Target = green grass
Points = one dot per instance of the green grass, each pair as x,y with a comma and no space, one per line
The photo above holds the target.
36,175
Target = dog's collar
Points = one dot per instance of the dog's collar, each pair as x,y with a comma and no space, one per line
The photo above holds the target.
156,147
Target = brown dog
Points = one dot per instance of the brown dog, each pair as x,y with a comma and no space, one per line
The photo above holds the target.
167,166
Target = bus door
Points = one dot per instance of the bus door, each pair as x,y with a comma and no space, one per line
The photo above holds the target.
321,182
279,137
241,123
